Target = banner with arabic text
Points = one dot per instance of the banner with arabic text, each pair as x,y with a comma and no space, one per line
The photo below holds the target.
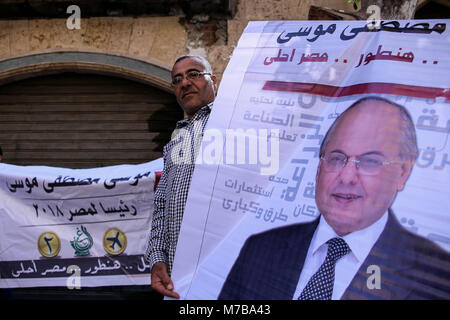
286,82
75,227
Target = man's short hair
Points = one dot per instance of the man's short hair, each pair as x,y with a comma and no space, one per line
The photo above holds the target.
1,151
408,144
205,62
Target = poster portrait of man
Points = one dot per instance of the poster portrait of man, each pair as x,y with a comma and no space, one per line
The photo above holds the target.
366,158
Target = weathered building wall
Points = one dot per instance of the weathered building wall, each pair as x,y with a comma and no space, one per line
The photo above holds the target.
158,40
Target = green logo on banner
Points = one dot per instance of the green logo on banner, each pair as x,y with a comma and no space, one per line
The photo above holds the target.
82,242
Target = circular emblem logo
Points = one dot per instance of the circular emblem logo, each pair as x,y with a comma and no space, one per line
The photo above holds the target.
49,244
114,241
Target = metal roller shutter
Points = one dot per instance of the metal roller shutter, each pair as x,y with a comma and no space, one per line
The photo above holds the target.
84,121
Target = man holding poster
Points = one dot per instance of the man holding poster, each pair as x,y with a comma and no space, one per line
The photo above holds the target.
195,89
356,249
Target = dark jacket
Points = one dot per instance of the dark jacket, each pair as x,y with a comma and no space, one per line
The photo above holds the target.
270,263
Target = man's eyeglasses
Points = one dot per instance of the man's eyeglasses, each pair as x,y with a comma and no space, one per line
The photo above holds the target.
191,75
370,164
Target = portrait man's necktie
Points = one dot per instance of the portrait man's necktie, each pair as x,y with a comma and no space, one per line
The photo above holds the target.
320,286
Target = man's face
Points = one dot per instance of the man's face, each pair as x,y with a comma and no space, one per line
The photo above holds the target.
348,199
192,95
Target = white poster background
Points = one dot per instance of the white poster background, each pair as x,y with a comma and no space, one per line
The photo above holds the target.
38,199
228,202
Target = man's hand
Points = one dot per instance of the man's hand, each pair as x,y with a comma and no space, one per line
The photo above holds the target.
161,281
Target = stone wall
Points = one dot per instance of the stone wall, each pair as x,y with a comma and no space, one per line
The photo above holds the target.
157,40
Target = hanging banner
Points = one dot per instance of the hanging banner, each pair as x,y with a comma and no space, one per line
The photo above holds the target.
75,227
256,169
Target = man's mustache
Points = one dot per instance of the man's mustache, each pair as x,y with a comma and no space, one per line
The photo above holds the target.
184,93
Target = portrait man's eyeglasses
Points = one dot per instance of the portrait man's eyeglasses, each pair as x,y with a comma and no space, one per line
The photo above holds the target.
369,164
191,76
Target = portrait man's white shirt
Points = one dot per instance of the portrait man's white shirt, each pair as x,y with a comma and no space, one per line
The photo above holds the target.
360,243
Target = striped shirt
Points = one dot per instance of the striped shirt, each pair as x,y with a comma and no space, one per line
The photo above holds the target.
172,191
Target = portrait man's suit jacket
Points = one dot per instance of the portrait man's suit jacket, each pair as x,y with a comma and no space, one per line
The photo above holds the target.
270,263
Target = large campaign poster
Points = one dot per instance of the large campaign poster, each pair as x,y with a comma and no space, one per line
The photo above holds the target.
285,84
75,227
